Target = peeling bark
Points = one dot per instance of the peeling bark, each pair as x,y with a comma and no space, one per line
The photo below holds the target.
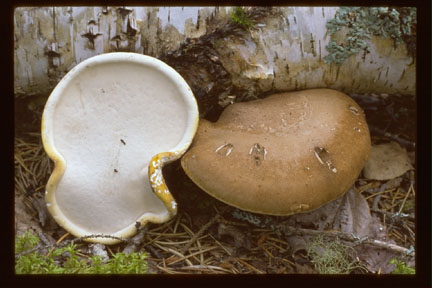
283,51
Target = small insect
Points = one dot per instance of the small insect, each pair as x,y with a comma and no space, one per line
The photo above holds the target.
115,170
122,141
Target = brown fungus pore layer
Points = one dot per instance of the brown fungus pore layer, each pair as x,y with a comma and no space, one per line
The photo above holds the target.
288,153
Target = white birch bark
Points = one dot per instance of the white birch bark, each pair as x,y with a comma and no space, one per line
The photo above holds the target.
285,52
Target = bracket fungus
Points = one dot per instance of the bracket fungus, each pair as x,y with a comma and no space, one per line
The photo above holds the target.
110,125
285,154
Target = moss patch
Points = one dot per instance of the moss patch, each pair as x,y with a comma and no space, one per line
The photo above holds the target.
69,260
401,267
239,17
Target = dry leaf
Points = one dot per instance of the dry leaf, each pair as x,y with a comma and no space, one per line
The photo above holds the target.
353,216
240,239
23,220
387,161
320,219
376,258
349,213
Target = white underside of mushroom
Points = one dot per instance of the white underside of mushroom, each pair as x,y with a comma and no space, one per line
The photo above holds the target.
104,122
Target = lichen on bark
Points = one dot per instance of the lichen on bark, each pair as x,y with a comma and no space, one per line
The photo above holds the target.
363,22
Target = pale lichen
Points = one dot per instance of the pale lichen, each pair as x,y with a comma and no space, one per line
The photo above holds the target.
363,22
332,257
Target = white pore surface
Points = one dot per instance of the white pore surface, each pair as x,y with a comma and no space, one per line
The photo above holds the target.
98,108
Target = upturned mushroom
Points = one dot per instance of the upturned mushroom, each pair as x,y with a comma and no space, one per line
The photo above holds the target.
110,125
285,154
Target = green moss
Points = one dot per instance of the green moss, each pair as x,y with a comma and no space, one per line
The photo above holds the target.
331,257
401,267
239,17
65,260
362,22
26,242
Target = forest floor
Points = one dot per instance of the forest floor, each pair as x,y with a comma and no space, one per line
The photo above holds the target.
208,236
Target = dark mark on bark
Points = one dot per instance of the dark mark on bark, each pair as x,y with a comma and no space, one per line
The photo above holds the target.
403,73
312,41
54,25
379,76
301,49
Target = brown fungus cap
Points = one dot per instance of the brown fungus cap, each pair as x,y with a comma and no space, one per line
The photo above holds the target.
285,154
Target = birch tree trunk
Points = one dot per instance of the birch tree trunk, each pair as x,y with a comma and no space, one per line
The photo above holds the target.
221,61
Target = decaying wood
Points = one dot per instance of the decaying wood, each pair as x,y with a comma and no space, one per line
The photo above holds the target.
283,51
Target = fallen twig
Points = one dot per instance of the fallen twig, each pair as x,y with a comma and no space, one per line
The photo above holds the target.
403,142
149,248
349,237
289,230
395,216
253,268
200,232
406,197
205,268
